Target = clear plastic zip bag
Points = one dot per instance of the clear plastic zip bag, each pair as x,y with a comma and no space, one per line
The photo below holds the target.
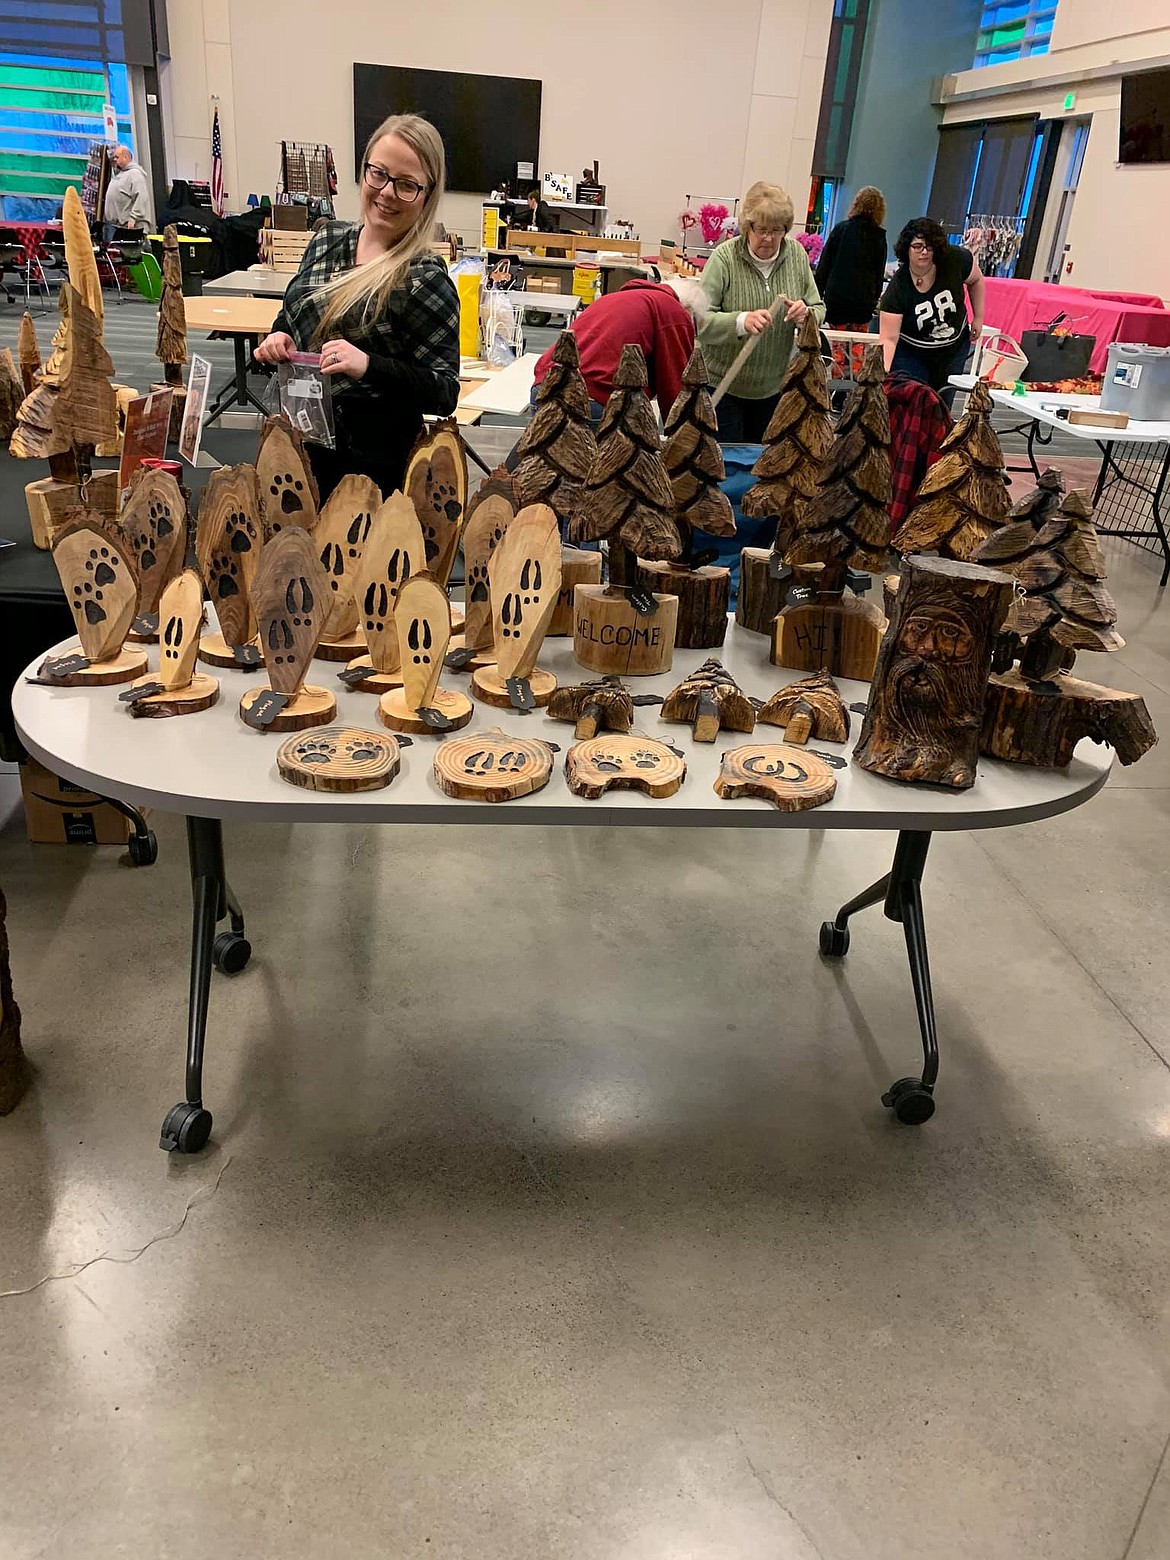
305,397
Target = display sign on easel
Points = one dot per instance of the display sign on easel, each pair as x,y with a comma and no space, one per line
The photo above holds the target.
145,434
198,388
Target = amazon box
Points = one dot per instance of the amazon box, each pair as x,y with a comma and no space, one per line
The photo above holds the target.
57,812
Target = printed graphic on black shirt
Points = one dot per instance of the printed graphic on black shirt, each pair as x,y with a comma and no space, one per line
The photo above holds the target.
937,319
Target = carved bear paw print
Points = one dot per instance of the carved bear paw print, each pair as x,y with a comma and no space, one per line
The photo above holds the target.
286,489
444,501
316,751
609,763
645,759
101,566
142,546
239,532
224,579
361,752
161,522
477,582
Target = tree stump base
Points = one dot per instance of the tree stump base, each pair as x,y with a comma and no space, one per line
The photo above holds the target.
52,504
489,687
127,664
214,650
396,714
761,598
839,634
343,649
577,568
308,707
1040,723
372,680
610,636
704,595
199,694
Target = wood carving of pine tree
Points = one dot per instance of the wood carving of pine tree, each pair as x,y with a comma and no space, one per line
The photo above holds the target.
171,345
1063,605
963,497
627,495
558,446
798,438
694,460
846,520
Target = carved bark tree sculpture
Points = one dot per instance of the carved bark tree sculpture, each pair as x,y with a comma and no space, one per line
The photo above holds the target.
28,352
1038,714
710,700
171,341
288,488
35,436
963,497
13,1068
558,445
925,707
73,406
436,484
812,707
228,546
11,393
605,705
798,437
80,259
291,597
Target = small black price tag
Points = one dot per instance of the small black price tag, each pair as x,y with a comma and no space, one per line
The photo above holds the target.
265,708
146,623
859,709
351,676
643,603
858,581
834,760
435,719
460,660
63,666
646,698
801,596
403,741
247,655
142,691
520,694
677,751
777,568
756,704
702,559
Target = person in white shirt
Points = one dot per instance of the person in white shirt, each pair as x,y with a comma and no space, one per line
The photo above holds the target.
128,194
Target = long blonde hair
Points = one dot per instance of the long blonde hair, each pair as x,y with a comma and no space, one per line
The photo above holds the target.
369,286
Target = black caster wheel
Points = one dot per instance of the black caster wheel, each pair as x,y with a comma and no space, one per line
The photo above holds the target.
910,1100
230,952
185,1129
143,849
834,940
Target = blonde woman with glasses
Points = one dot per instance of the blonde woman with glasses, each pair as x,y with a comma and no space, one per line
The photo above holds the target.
380,309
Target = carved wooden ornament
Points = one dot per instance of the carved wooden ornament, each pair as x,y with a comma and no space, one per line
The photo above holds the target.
436,484
708,700
291,597
340,536
812,707
339,758
605,705
394,551
489,766
422,617
525,576
155,520
288,489
623,763
180,614
101,584
791,778
228,545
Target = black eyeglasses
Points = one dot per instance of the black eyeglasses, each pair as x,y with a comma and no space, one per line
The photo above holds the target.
405,188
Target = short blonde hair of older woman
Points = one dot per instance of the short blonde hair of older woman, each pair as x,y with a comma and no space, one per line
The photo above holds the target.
766,206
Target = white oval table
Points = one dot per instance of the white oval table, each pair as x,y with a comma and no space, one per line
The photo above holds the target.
210,767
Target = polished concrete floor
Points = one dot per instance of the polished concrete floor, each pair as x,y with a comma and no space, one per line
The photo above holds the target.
551,1210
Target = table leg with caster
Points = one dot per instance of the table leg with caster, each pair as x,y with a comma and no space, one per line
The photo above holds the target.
188,1125
911,1099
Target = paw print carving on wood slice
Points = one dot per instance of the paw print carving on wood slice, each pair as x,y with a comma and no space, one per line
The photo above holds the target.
525,581
489,766
155,520
792,778
290,593
393,552
228,543
340,535
339,758
288,489
436,484
615,762
488,517
100,580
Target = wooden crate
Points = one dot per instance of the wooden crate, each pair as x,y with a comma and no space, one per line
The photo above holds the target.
282,251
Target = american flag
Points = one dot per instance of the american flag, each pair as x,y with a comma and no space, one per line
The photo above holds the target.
216,166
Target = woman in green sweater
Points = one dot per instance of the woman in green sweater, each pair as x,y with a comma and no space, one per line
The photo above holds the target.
741,279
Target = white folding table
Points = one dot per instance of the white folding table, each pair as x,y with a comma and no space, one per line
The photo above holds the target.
211,767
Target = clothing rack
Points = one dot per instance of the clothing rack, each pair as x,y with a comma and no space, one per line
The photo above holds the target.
994,239
307,170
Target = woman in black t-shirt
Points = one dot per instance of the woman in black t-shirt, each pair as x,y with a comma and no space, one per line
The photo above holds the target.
923,314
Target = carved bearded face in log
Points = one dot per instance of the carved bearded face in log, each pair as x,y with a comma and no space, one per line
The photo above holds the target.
934,678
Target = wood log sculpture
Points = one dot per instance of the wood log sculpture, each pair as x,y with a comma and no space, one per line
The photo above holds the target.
606,705
52,504
11,394
339,758
963,497
525,575
925,707
154,519
13,1067
228,544
340,535
100,580
80,256
624,763
28,352
422,622
290,595
710,700
436,484
558,446
490,766
394,551
177,688
171,339
489,514
797,440
764,583
35,436
788,777
812,707
288,488
1038,714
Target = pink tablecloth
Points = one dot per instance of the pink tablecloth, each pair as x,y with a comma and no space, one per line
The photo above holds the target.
1016,306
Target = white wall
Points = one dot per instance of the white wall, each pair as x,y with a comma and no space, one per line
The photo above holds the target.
1119,237
672,97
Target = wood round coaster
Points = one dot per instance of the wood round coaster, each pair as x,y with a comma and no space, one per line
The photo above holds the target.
339,758
489,766
623,763
394,712
128,664
214,650
341,649
791,777
490,688
308,707
199,694
376,682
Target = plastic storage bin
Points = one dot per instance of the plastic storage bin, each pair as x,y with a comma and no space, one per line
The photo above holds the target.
1137,381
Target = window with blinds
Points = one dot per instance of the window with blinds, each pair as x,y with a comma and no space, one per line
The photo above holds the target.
51,111
1013,30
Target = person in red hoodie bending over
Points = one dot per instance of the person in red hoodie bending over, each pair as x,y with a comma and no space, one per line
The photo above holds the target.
661,317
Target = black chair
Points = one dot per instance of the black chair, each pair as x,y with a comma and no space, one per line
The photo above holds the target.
11,256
